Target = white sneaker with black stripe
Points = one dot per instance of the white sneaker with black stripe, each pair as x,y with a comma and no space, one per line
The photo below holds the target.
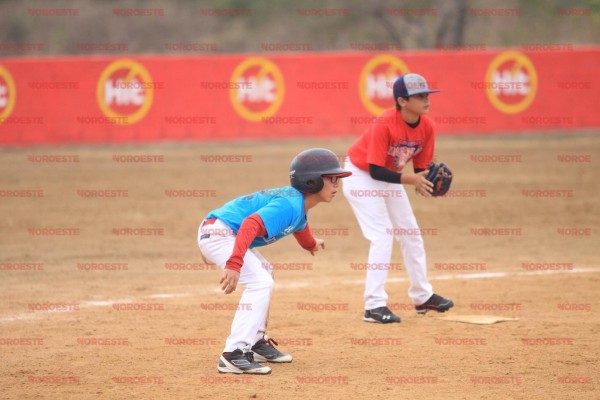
239,362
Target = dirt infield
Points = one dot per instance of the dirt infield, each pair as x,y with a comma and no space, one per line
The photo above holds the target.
104,295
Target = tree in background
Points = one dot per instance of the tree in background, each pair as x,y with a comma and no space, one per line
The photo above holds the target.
408,24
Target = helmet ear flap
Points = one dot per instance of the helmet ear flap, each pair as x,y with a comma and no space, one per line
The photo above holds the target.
315,185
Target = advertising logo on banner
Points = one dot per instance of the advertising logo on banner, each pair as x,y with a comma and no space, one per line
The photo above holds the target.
376,82
125,91
8,94
511,82
257,89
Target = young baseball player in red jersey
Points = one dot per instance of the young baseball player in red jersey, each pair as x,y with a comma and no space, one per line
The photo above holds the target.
229,237
377,196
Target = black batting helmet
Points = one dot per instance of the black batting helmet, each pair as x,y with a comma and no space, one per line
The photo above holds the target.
309,167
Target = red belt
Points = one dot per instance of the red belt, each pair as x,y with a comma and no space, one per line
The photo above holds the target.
209,221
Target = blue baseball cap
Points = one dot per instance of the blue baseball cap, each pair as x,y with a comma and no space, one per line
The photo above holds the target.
410,84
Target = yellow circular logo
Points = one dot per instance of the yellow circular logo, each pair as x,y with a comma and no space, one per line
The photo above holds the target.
257,89
511,82
125,91
8,94
377,80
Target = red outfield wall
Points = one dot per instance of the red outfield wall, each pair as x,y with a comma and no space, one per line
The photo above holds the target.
149,98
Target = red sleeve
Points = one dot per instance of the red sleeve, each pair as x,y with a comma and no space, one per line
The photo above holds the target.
379,144
251,228
422,159
305,238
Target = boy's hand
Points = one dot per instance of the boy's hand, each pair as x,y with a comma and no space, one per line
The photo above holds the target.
422,185
320,243
229,280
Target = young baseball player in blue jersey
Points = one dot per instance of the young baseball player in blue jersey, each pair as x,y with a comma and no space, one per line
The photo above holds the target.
229,237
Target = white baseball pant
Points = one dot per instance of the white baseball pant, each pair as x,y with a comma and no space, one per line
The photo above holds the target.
384,212
250,320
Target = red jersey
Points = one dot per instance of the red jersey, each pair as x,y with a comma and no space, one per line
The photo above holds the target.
391,143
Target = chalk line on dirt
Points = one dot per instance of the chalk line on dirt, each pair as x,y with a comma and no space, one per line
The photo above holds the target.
290,286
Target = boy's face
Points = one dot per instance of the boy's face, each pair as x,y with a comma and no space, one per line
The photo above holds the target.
330,188
418,103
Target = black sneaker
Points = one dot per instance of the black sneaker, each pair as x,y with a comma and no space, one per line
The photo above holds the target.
435,302
381,315
238,362
264,350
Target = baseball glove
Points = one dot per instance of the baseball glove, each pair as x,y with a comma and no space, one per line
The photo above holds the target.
441,177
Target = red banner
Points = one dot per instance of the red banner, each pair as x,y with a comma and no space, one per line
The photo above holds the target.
104,99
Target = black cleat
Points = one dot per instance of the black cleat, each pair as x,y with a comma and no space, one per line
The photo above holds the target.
436,303
238,362
381,315
264,350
